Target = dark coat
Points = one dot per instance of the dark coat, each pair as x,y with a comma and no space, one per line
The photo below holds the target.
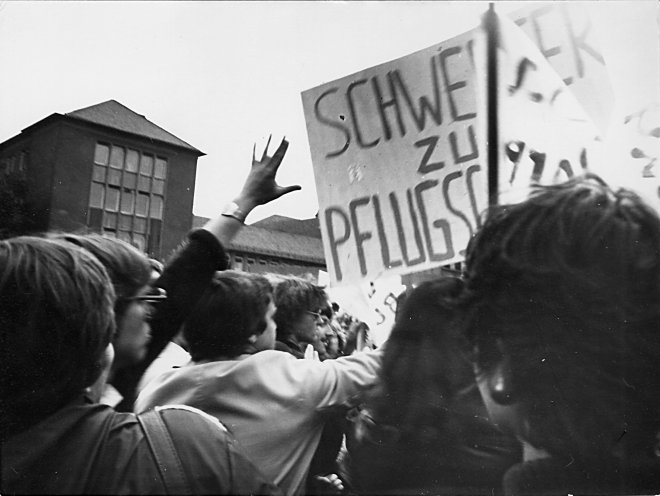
464,455
90,449
553,476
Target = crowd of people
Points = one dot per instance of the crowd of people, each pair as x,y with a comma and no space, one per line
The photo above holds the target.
535,372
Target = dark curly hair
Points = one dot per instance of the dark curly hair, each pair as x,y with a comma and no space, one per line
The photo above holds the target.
568,283
229,311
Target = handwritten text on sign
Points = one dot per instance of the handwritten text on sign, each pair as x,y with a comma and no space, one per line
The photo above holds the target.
398,171
565,35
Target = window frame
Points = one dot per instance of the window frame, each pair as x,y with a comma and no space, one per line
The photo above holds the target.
127,184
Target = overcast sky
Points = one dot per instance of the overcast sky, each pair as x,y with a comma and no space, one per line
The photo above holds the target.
219,75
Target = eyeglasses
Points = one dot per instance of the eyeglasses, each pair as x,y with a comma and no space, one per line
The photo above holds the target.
316,315
154,295
321,313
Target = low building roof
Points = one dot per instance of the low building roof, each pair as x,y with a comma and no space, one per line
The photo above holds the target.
111,115
256,240
306,227
114,115
261,241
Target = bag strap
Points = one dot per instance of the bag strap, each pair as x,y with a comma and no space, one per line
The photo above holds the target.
164,452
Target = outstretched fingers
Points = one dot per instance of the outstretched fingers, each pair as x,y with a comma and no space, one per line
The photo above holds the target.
276,159
279,153
265,154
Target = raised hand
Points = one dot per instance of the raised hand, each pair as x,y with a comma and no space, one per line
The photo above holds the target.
260,186
311,353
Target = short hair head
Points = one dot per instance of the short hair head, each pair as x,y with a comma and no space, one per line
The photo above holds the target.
56,320
567,284
293,296
231,309
129,269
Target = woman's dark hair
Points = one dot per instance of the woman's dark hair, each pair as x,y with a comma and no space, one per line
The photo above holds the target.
568,284
423,367
229,311
56,320
129,269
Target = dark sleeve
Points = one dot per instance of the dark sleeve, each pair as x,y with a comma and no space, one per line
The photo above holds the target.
185,277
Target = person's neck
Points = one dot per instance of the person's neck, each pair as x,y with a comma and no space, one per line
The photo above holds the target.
291,339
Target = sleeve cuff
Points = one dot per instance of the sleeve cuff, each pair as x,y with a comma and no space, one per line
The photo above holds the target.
211,243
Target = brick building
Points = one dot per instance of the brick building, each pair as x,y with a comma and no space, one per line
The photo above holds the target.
106,169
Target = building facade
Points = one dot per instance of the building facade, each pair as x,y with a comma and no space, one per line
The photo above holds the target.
104,169
279,245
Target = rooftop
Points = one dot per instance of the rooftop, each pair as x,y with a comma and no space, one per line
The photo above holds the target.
305,227
272,242
114,115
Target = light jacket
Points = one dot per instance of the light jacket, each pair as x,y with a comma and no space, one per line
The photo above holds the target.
272,402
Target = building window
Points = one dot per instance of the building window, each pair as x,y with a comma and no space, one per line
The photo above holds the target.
127,195
14,164
22,161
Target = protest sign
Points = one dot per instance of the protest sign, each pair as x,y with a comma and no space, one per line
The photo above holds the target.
565,34
374,303
398,149
631,49
608,54
546,137
399,173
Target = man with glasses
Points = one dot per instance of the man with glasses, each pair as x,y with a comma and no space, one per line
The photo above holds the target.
302,306
58,323
303,311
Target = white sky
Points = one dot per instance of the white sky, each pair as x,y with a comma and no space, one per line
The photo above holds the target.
219,75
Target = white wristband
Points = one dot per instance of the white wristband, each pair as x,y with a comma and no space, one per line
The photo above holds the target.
234,211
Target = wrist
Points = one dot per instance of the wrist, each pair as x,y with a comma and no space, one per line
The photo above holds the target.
245,203
235,211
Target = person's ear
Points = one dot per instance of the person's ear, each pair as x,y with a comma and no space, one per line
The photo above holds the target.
500,380
95,390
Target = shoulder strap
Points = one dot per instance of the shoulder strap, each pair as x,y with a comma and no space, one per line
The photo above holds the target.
164,452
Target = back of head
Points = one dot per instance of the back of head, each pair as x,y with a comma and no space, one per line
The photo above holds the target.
229,311
129,269
423,367
293,296
567,284
56,320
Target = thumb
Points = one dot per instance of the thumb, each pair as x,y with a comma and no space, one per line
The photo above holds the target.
283,190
